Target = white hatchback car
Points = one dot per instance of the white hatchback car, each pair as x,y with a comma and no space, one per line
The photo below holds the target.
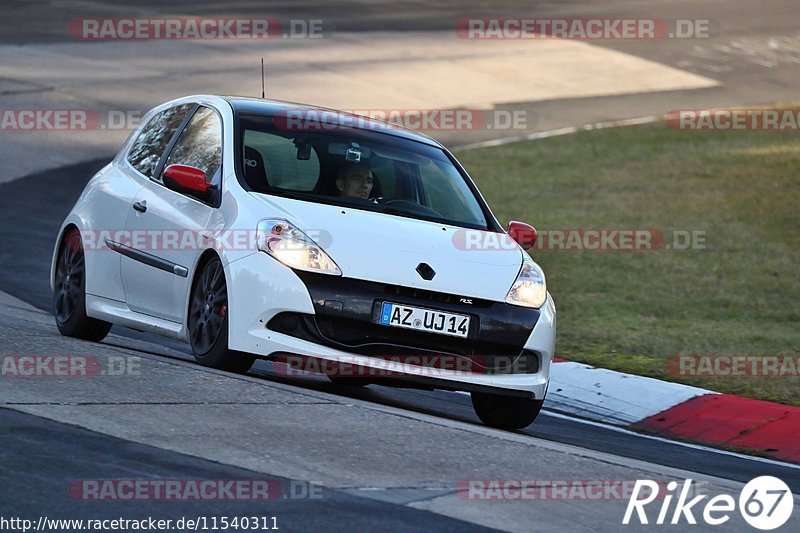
262,229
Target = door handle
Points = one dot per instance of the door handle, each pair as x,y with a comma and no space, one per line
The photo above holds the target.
140,206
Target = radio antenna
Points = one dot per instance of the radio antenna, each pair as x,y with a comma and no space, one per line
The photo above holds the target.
262,78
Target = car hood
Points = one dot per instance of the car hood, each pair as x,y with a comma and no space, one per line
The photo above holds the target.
388,249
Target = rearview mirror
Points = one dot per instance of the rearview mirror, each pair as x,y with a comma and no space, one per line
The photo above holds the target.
524,234
186,179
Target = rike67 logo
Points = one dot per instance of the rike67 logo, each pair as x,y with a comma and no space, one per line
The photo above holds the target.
765,503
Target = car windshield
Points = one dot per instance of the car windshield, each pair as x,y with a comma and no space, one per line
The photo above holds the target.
357,168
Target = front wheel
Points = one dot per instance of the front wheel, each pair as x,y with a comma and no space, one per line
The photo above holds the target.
505,412
208,322
69,296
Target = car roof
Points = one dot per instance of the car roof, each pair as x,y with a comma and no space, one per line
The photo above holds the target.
264,107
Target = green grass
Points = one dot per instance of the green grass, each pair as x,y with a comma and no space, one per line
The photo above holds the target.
630,311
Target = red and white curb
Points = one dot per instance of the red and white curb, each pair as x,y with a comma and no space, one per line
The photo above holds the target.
674,410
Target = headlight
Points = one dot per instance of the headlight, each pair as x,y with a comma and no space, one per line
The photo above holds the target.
530,288
286,243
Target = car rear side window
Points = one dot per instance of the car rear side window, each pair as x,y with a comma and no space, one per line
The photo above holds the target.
146,151
200,143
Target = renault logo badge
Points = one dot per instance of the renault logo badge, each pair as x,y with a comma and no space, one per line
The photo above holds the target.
425,271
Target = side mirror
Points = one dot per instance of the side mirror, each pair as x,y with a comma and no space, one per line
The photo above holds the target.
186,179
524,234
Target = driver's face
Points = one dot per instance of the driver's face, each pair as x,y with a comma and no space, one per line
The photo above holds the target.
358,183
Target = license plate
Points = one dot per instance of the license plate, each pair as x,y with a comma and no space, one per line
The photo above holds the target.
404,316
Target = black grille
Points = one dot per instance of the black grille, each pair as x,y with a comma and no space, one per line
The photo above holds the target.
396,290
356,336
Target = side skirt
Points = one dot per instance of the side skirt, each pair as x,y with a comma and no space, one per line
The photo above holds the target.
119,313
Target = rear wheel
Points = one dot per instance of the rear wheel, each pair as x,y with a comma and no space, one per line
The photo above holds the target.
505,412
208,322
69,295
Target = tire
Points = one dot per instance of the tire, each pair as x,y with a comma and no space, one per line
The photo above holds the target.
505,412
208,322
69,294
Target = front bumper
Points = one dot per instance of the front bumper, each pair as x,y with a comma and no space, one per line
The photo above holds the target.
278,312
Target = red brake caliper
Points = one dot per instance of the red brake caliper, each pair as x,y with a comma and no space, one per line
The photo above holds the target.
223,310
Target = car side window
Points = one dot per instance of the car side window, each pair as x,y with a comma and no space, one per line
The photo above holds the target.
200,144
146,151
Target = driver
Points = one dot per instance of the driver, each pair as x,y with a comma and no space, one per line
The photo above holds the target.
354,179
